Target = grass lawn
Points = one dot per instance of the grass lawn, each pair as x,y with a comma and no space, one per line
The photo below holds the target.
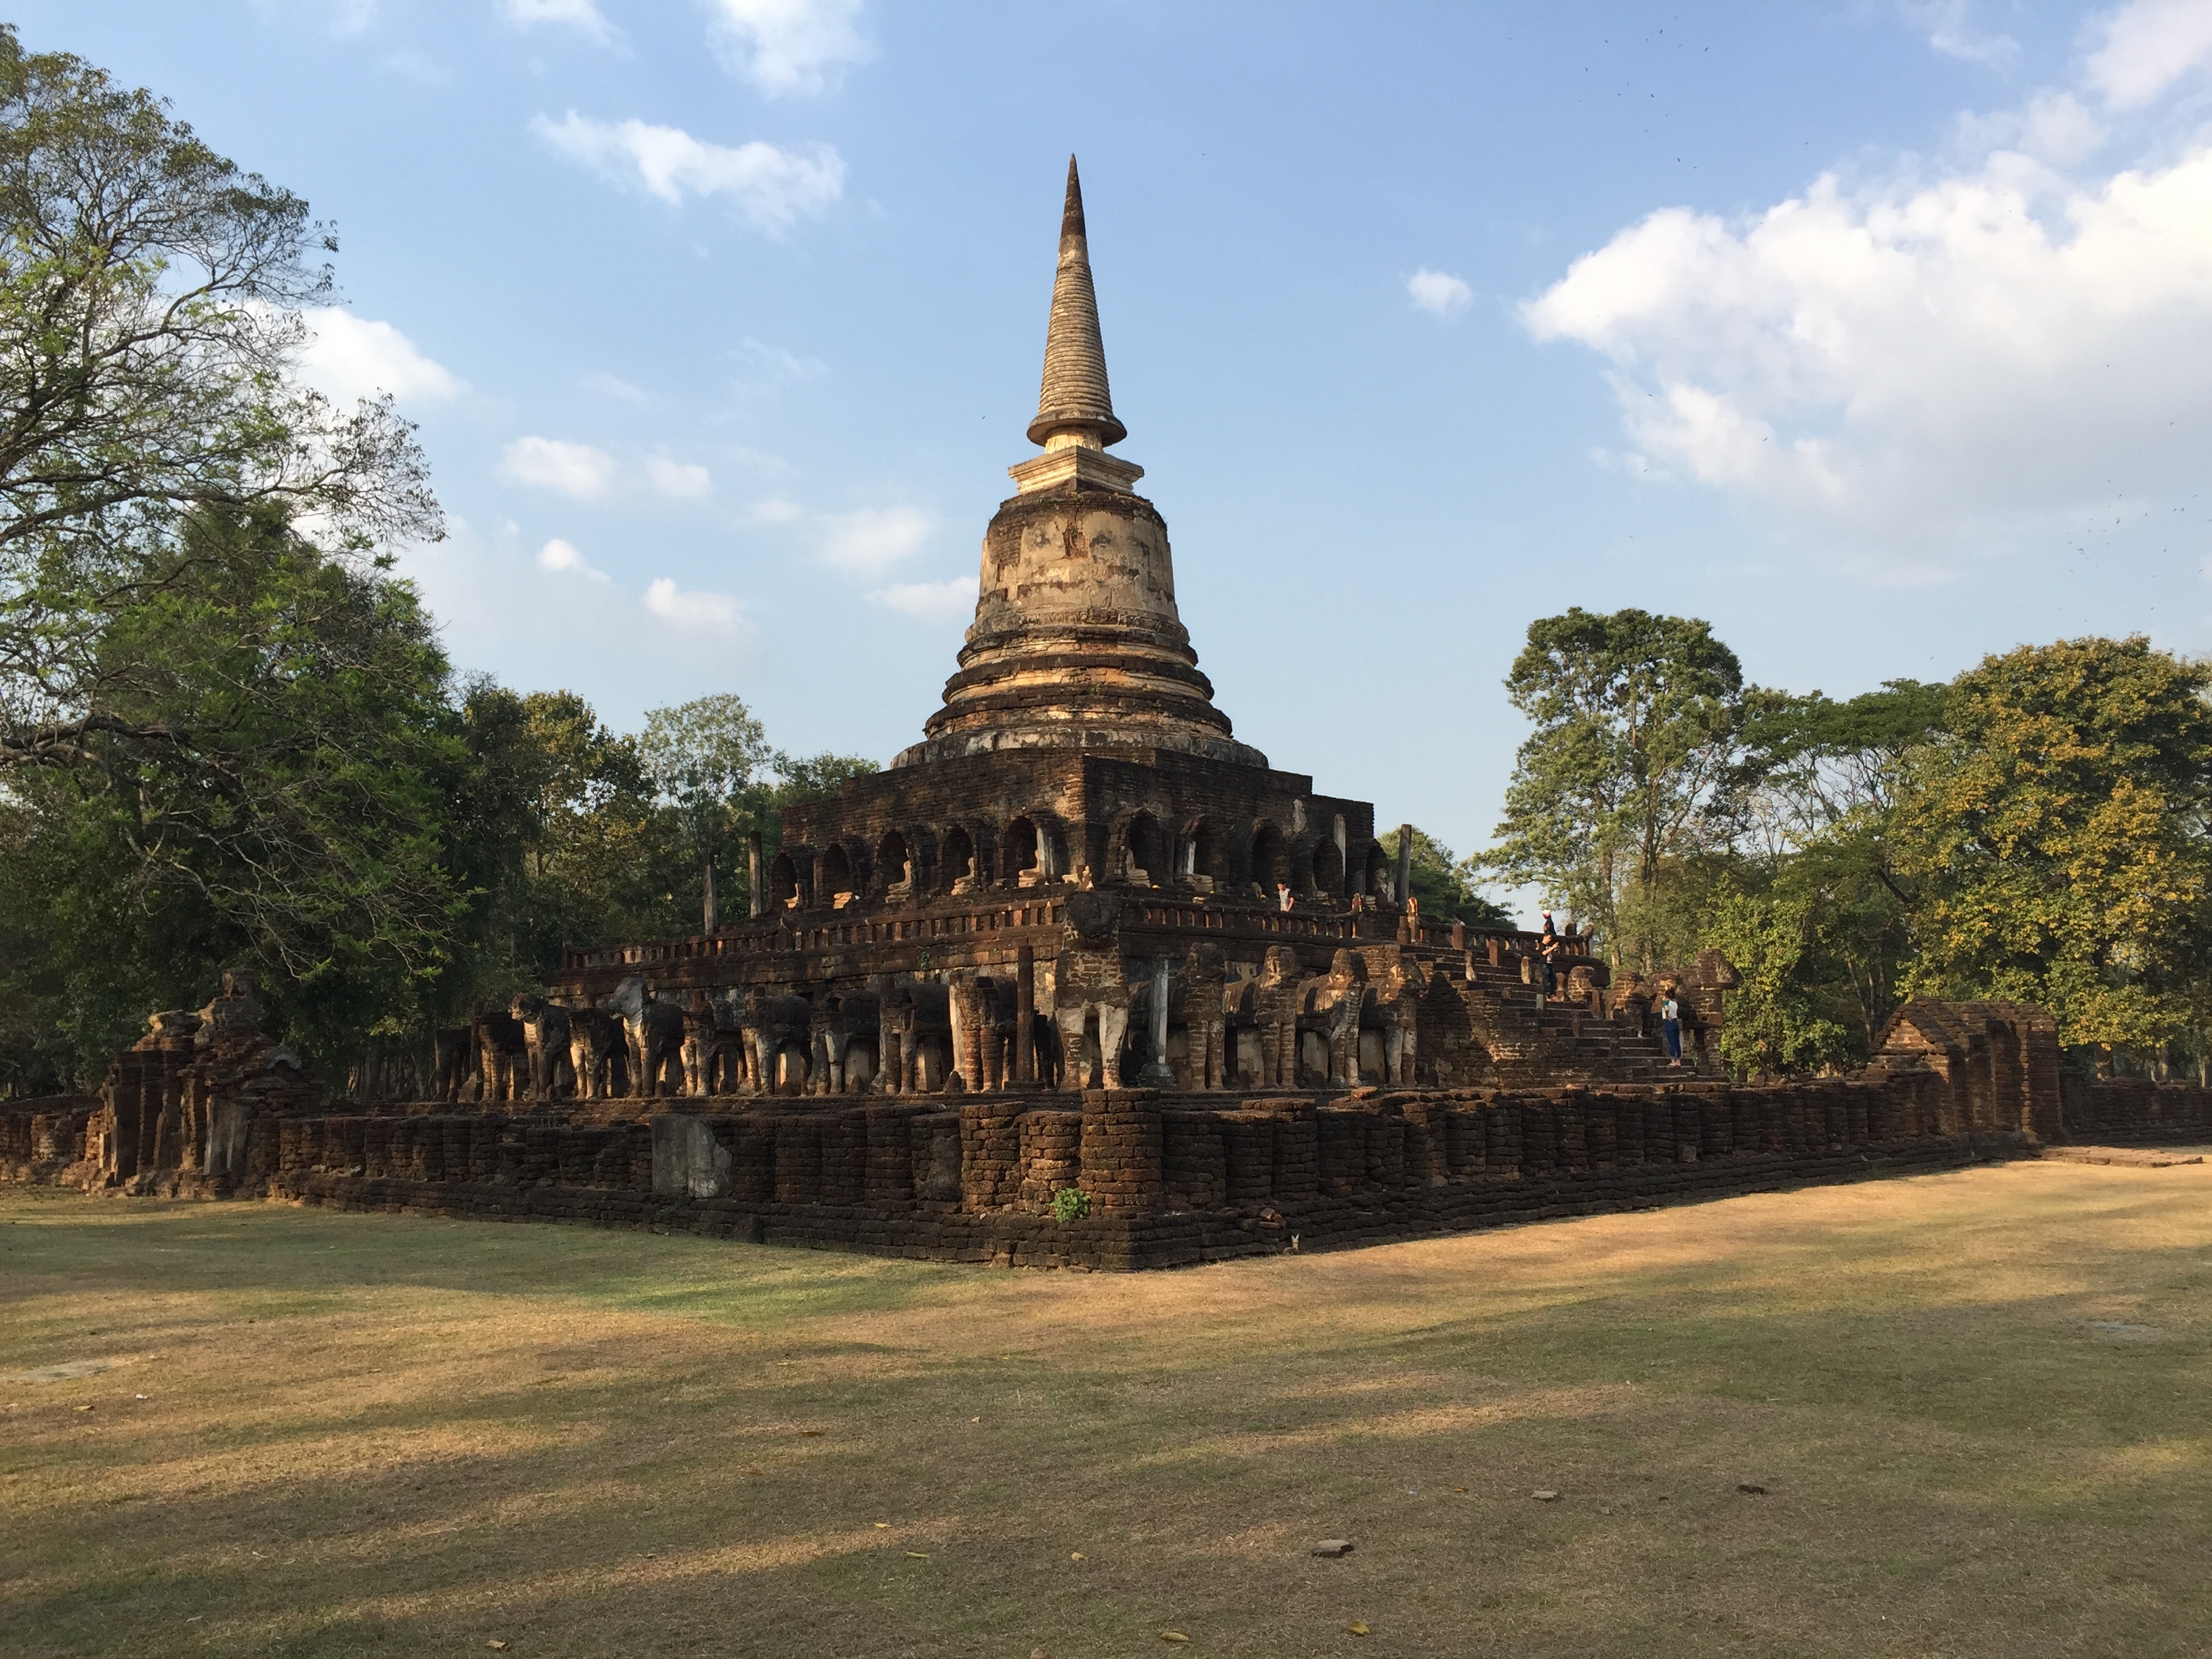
1977,1403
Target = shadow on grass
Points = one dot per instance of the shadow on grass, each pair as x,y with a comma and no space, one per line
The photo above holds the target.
581,1454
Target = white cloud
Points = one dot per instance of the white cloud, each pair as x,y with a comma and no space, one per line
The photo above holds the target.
945,601
1936,358
560,555
692,612
789,45
1439,291
870,542
776,510
577,470
2145,48
348,357
613,385
2053,127
680,481
351,18
771,187
582,15
778,365
1951,31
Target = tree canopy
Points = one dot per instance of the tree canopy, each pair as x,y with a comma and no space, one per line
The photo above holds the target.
2039,828
1445,884
1637,721
2057,838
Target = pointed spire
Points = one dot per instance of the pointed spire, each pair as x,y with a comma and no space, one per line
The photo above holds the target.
1074,400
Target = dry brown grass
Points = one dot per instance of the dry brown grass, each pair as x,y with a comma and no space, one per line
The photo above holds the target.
1977,1402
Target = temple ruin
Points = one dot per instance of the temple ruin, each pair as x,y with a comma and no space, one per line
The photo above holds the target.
1082,979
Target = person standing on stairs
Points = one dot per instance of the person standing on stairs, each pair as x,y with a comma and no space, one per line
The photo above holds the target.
1670,1027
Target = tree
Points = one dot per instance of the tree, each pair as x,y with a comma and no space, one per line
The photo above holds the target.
1813,804
1777,1019
551,830
1636,721
702,756
290,815
151,316
1444,883
2057,840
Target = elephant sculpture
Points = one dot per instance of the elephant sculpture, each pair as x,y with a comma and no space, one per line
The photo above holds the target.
775,1023
598,1054
502,1054
545,1040
714,1043
653,1033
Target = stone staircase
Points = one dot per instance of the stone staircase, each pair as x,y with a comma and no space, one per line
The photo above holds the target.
1538,1043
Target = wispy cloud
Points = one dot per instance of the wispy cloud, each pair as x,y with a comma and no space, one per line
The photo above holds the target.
934,602
584,17
2144,49
613,386
772,188
586,473
787,46
679,481
560,555
693,611
1950,29
869,542
577,471
1438,292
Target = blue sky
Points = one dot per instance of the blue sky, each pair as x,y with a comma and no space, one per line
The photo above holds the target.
1879,335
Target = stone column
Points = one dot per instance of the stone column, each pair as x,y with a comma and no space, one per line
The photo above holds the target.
1025,1014
755,906
1405,863
1157,1074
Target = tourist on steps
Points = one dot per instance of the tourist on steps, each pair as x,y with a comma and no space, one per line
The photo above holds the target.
1670,1026
1547,954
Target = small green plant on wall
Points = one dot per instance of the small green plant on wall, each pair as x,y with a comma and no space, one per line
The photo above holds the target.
1070,1205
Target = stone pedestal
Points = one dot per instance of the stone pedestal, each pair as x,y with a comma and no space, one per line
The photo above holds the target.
1122,1164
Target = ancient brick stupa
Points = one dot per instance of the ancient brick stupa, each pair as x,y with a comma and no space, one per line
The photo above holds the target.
1078,880
1076,643
1079,875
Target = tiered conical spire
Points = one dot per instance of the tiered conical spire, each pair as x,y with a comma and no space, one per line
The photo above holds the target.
1074,404
1076,643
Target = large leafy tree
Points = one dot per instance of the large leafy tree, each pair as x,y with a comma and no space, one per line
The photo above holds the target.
294,821
2057,840
151,300
1636,723
1813,845
703,757
222,734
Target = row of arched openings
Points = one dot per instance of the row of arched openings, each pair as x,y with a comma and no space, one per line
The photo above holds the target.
1141,849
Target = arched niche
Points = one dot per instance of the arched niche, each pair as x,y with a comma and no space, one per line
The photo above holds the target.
1376,875
1201,852
1271,858
783,880
956,852
1327,869
894,861
1147,848
836,871
1020,849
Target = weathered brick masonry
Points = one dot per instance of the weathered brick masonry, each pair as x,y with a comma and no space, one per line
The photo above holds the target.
1078,938
1175,1179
